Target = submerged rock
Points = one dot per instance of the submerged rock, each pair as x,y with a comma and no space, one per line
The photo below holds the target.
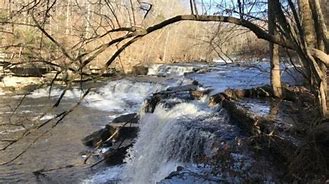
186,176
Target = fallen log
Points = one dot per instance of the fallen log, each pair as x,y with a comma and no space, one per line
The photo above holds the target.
295,94
263,130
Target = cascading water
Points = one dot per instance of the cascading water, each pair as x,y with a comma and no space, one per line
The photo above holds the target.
99,107
121,96
168,138
164,143
172,136
115,96
173,70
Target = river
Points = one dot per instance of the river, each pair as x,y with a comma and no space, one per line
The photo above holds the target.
107,99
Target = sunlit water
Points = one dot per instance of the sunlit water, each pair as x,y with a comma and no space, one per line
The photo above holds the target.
152,157
62,145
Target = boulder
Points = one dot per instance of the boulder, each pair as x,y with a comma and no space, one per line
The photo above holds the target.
119,129
28,71
179,93
139,70
198,94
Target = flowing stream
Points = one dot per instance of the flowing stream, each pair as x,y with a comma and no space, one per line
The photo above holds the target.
168,138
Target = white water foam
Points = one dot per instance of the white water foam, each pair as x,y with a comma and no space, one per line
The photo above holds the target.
121,96
163,143
2,93
175,70
47,117
108,175
12,130
116,96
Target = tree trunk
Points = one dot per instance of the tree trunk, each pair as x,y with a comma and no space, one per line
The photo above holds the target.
311,24
89,7
307,22
68,18
325,10
274,53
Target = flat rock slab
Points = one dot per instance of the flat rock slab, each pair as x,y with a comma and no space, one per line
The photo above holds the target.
126,118
121,128
119,125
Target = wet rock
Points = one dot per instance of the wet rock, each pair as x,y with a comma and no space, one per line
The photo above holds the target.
175,173
186,176
189,87
110,72
116,156
175,95
101,135
126,118
31,71
117,134
198,94
118,130
151,102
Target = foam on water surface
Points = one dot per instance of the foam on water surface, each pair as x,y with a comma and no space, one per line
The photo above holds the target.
108,175
173,69
115,96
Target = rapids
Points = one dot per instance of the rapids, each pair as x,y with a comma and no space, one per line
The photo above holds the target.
168,138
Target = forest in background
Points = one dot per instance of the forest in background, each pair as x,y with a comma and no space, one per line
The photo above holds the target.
82,27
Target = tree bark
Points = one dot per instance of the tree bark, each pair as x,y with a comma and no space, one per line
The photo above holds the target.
307,22
68,18
274,53
319,35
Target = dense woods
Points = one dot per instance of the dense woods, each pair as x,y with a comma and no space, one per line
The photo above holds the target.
91,31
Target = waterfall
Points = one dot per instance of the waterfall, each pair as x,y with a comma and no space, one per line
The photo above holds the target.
165,141
115,96
122,95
